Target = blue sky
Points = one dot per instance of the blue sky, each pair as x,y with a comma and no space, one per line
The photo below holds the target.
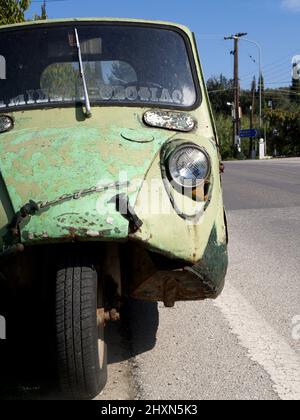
272,23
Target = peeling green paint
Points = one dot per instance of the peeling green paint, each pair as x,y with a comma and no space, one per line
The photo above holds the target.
42,164
179,121
52,152
212,268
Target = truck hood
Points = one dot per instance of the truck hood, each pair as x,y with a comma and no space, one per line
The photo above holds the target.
50,154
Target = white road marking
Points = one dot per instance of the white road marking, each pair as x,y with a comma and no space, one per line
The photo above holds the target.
264,344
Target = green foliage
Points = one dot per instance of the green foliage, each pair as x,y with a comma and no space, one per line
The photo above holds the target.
284,131
295,91
224,129
281,108
220,92
261,85
13,11
43,15
43,11
278,99
61,80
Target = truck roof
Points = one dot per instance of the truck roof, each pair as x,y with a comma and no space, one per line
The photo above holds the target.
97,19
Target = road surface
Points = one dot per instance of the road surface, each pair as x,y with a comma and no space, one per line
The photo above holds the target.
244,345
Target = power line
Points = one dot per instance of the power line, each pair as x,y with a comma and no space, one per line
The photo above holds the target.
280,95
282,58
275,68
221,90
272,67
279,70
276,83
267,92
289,92
272,75
48,1
210,36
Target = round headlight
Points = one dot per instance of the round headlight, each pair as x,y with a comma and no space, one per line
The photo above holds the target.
189,166
6,123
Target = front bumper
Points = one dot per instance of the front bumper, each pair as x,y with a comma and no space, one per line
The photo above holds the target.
154,280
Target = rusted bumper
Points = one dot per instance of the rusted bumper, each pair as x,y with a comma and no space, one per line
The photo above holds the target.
155,279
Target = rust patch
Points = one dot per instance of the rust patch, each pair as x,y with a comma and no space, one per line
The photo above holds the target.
173,286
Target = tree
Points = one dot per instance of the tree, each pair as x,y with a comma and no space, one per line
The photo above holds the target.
295,91
13,11
220,91
278,99
44,12
282,117
224,129
61,80
43,15
261,85
284,131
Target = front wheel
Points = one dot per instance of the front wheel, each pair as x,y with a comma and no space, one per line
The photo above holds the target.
81,348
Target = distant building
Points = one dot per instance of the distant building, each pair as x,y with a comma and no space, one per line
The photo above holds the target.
296,67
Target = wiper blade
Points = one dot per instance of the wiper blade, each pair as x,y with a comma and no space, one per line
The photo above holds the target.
82,75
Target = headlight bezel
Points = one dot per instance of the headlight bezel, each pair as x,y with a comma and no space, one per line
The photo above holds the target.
176,179
10,122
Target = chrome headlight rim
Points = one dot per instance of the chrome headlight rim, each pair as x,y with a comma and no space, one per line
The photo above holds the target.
199,182
10,123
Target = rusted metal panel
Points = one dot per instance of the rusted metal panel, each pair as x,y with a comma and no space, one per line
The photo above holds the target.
178,121
203,280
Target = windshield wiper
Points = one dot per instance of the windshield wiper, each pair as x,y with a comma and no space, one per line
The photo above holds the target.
82,75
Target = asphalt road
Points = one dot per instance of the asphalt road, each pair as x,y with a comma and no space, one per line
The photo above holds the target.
244,345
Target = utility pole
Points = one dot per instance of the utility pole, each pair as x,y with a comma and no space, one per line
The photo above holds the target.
252,117
236,118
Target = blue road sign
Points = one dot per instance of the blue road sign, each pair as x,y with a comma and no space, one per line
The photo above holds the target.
248,133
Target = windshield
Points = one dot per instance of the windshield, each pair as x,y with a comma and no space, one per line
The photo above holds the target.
123,64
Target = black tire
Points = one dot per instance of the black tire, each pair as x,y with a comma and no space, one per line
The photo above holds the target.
81,348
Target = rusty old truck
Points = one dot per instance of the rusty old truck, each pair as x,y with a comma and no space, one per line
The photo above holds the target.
110,182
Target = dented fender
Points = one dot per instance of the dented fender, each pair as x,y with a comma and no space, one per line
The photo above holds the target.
41,164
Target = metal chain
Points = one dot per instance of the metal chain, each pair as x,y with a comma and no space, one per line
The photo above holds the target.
11,237
79,194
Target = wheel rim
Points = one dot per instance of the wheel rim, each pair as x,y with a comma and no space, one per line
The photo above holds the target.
101,346
100,325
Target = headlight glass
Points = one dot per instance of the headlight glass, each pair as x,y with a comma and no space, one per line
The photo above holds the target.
189,166
6,123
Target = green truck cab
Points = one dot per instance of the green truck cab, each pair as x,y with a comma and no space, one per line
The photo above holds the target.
110,180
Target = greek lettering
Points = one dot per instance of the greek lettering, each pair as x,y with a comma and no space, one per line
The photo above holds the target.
131,93
104,93
165,96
